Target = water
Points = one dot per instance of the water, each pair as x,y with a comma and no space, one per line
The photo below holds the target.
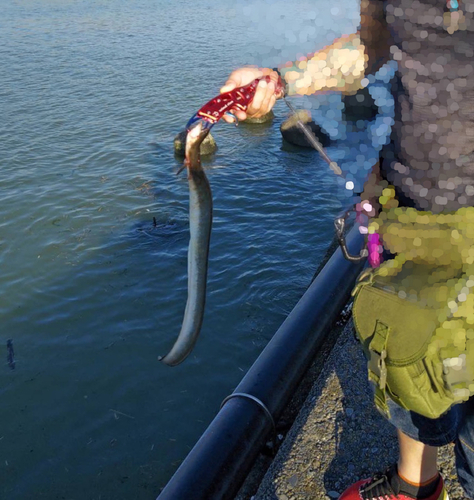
92,95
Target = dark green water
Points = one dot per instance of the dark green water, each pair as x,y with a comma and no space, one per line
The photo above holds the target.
92,95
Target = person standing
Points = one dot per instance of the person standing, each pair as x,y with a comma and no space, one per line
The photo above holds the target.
430,163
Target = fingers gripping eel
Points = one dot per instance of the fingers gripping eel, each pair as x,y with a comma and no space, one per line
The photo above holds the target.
200,221
239,98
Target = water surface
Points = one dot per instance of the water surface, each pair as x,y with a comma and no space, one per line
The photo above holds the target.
92,95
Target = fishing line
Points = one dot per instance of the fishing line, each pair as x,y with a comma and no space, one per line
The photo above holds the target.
313,140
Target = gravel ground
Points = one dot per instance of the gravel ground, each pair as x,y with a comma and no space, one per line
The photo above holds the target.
338,437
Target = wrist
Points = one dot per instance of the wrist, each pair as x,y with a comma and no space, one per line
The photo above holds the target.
282,82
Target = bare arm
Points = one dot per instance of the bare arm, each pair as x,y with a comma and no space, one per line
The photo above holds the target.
342,65
339,66
374,34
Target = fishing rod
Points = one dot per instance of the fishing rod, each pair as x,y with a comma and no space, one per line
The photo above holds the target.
313,140
339,222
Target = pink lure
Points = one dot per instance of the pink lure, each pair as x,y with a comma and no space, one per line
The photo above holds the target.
374,247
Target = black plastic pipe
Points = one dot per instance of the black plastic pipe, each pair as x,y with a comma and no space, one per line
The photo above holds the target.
220,461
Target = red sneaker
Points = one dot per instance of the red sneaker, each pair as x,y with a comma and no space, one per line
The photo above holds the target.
384,487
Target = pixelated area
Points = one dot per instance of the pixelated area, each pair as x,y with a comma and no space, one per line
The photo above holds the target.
286,31
416,60
341,66
429,159
413,62
434,267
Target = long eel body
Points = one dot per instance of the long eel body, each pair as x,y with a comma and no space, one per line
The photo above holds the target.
200,222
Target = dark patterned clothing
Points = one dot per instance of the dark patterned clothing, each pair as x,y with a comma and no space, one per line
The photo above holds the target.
430,160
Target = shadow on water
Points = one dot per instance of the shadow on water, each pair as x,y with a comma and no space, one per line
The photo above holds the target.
88,397
155,229
75,407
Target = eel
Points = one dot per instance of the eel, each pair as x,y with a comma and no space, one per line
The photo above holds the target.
200,222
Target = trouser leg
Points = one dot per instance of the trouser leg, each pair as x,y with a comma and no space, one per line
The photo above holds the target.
465,449
433,432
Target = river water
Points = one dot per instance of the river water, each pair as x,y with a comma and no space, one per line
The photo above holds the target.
92,94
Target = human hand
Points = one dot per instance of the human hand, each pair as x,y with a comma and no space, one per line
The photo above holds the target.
264,98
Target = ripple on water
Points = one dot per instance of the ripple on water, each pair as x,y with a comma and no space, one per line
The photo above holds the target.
92,98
